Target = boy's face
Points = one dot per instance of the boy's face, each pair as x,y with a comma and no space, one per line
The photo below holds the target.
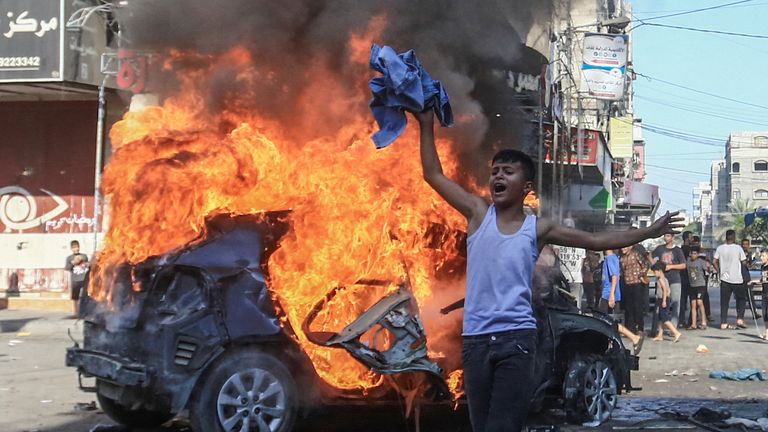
764,257
75,248
668,238
507,183
745,245
694,255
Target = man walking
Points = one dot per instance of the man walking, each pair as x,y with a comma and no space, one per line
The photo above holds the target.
729,258
77,265
634,268
674,260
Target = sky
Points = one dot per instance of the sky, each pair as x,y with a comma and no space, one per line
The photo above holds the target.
725,66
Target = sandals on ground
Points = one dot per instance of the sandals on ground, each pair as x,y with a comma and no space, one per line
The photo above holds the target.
727,327
741,325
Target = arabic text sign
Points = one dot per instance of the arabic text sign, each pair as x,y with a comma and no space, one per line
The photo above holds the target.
604,65
30,40
606,50
622,138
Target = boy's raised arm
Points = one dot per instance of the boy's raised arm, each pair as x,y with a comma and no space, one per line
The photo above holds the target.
551,233
471,206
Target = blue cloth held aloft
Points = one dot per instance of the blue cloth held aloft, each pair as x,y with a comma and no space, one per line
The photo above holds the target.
403,86
751,374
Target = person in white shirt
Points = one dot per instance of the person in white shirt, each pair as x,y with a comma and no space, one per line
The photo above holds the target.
729,258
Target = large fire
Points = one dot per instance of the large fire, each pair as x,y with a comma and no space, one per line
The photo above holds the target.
357,212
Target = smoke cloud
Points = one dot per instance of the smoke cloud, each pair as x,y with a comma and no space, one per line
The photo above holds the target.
464,44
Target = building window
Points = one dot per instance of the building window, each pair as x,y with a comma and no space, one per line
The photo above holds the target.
761,194
760,141
736,194
735,167
761,165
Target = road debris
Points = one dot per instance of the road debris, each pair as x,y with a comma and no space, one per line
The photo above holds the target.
745,374
702,349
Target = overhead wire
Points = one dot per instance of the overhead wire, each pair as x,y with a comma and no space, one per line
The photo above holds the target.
698,10
747,35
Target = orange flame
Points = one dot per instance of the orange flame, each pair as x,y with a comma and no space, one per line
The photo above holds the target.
357,212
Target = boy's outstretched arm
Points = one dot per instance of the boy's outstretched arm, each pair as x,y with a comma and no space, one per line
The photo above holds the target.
549,232
471,206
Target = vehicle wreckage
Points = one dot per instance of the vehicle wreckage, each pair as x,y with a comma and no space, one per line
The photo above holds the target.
197,329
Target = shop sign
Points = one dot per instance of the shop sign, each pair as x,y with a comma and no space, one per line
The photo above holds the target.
31,40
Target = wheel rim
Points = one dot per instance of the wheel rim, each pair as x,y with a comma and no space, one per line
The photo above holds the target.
600,392
251,400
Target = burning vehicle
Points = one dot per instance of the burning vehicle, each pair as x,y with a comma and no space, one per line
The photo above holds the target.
198,329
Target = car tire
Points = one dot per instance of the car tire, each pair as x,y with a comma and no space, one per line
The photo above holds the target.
590,390
245,390
133,418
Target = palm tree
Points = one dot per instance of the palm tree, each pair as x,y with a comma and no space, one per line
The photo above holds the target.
733,218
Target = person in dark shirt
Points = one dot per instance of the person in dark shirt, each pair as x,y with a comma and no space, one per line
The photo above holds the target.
674,260
77,265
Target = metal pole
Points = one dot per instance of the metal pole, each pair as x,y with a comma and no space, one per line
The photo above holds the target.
540,177
99,156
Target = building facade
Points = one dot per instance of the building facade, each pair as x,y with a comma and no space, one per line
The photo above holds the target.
746,157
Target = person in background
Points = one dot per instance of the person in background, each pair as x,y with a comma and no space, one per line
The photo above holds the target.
634,268
611,296
685,285
764,281
674,259
589,266
77,265
696,270
703,255
665,311
729,259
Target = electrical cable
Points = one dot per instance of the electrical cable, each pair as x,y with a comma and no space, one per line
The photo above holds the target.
697,10
705,113
650,78
747,35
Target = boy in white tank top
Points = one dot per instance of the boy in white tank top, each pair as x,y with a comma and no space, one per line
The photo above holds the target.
499,334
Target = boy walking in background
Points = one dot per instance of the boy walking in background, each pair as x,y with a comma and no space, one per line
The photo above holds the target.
674,259
698,286
662,296
77,265
500,333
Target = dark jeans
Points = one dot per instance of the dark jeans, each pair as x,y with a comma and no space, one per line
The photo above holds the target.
589,292
498,379
740,292
634,307
685,299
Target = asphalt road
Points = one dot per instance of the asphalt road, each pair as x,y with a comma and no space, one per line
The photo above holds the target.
38,393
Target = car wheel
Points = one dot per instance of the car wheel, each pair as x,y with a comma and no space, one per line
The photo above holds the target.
590,390
245,391
133,418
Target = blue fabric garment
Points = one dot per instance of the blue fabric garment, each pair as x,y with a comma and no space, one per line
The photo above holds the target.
403,86
751,374
500,277
611,267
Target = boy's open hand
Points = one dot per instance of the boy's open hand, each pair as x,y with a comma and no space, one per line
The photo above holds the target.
667,224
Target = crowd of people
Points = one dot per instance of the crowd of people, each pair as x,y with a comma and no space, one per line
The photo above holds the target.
618,283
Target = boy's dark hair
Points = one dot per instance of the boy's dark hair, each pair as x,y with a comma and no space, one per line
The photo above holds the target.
695,249
74,243
687,234
512,156
659,265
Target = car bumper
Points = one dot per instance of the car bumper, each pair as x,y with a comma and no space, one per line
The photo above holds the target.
106,367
